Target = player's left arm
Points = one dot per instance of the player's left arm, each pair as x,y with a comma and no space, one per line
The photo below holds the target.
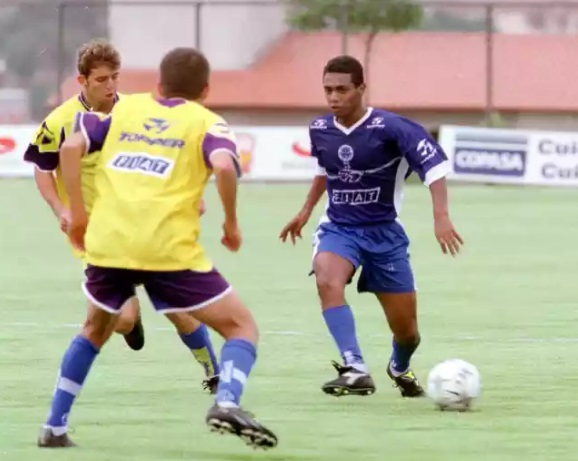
220,154
88,136
427,158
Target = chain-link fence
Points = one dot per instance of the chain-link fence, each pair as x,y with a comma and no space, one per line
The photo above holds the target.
38,40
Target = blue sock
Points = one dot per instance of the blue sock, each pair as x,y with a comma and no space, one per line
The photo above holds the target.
199,342
341,325
74,368
237,359
401,355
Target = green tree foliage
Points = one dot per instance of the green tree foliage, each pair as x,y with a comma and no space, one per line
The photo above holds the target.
356,16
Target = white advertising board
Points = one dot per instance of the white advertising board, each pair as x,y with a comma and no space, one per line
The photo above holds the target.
14,140
512,156
267,153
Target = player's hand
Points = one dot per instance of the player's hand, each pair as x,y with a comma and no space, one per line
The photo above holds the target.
64,219
294,227
448,238
202,208
231,236
77,230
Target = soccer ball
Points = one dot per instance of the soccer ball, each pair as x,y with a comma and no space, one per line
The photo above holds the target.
454,385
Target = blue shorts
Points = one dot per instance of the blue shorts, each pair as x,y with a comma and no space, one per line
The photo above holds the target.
381,250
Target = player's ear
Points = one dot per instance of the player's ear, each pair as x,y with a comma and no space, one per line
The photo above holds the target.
204,94
362,88
81,79
160,90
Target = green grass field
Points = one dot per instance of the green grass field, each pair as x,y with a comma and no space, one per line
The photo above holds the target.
507,304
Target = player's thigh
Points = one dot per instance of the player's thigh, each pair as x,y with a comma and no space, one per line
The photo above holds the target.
130,310
205,296
336,256
129,314
107,291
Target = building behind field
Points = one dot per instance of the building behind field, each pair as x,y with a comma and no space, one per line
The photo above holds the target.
448,70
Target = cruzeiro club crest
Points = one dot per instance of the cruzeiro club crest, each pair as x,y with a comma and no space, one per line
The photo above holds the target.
346,174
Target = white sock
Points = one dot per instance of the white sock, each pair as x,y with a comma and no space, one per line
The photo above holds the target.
60,430
227,404
361,367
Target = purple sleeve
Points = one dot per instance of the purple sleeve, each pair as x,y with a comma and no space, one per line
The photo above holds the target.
424,155
43,150
47,161
218,138
93,128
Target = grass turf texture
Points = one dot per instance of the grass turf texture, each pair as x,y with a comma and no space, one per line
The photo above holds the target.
508,305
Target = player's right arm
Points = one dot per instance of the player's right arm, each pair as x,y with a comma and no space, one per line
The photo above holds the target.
220,154
42,152
316,191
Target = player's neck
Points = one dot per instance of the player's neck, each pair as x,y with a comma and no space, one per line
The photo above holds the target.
351,119
98,106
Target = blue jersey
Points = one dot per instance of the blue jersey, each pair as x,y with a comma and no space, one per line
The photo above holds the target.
367,164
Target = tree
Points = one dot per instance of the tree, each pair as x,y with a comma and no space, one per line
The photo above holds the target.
358,16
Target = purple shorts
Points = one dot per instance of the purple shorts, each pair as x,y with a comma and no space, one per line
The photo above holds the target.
169,292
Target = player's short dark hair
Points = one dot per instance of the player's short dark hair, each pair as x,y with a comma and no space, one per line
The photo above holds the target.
184,73
345,65
96,53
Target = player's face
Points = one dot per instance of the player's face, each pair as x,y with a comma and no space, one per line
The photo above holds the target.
101,85
342,95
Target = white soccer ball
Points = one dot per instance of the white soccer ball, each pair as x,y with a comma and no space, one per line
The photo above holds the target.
454,385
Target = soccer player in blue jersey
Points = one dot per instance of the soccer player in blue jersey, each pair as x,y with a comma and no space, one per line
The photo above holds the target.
364,156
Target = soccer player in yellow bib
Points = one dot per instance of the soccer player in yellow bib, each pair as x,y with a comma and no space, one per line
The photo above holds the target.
98,66
156,156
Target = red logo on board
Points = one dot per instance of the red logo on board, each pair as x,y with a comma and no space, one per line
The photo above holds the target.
7,145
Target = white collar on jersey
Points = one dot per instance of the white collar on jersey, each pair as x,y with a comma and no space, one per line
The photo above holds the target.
352,128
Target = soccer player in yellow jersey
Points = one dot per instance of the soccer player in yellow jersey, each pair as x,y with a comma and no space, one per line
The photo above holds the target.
156,156
98,66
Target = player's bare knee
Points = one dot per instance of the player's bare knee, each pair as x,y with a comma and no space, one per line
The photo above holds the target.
331,290
98,328
127,318
331,275
124,325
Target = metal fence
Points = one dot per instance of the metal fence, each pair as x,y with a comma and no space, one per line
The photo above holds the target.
38,40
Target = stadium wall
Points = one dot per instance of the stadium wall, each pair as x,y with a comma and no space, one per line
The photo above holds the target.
282,153
249,27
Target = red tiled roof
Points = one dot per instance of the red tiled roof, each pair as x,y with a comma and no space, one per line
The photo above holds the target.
408,71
